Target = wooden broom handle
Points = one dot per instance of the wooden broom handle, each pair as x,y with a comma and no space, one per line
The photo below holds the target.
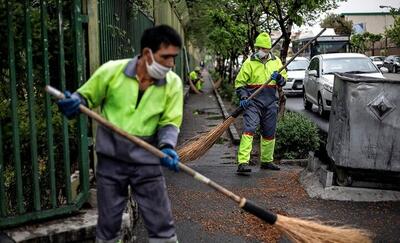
239,110
101,120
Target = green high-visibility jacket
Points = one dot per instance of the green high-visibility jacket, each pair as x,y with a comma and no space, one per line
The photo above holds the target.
156,117
253,74
193,76
196,80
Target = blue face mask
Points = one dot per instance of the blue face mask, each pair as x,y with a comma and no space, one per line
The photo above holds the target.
156,70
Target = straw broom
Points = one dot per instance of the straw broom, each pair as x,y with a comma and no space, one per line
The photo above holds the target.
298,230
200,146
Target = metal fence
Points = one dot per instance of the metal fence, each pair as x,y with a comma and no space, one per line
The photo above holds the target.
121,26
41,43
51,42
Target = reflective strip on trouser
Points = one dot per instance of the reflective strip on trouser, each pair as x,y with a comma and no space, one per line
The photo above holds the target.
267,150
148,189
246,144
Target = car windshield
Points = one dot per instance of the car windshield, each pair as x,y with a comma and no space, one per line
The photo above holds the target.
297,65
377,59
348,65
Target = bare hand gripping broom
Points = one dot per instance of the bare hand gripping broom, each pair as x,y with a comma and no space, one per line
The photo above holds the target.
298,230
199,145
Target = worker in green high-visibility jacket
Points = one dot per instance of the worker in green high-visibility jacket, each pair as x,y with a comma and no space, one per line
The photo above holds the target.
195,77
262,110
142,96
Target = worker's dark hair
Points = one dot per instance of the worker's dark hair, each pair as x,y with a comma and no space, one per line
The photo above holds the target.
161,34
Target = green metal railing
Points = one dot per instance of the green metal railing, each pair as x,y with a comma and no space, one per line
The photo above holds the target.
121,26
35,178
43,42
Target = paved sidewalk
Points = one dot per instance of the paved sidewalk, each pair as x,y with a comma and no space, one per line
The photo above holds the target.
203,215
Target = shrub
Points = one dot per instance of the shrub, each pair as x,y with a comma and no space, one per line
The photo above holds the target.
295,136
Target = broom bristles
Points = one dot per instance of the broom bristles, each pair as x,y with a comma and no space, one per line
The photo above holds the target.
300,230
198,147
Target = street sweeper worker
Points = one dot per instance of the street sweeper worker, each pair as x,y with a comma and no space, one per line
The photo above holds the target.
195,77
262,110
145,98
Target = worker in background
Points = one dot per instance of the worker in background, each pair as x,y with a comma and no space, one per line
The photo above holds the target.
196,78
145,98
262,110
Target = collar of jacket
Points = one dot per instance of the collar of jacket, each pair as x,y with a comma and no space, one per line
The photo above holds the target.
270,57
130,71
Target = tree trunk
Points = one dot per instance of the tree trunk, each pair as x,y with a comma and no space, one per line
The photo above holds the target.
373,48
286,41
230,69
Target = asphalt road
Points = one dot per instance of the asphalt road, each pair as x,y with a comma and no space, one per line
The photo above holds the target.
295,103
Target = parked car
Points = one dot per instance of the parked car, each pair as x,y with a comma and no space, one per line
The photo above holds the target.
319,77
392,63
296,71
377,60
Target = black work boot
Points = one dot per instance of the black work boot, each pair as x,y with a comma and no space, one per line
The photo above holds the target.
270,166
243,168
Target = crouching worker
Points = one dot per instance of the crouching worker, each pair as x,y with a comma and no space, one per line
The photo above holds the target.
195,77
145,98
262,110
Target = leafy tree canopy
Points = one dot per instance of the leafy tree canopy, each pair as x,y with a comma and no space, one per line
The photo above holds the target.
226,25
338,23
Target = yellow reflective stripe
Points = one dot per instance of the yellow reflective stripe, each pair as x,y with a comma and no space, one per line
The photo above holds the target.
245,147
267,150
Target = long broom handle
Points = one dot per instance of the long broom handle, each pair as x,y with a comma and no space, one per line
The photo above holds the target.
239,110
276,41
243,203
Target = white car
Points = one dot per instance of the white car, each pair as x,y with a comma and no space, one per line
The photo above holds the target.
377,60
296,71
319,77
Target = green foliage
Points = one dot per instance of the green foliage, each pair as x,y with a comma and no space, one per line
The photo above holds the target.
227,91
19,27
394,31
360,42
296,135
228,34
339,23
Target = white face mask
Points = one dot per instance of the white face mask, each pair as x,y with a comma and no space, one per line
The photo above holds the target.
156,70
261,54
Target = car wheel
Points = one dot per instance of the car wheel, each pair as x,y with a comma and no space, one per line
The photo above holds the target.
307,104
321,110
394,69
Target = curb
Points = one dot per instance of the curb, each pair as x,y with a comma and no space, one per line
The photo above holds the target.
77,228
232,129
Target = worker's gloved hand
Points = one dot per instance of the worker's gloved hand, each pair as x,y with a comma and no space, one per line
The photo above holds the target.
69,106
279,79
171,159
244,102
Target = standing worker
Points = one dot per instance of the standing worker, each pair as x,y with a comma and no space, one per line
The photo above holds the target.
262,110
195,77
145,98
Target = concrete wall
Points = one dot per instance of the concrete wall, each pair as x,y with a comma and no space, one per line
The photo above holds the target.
374,23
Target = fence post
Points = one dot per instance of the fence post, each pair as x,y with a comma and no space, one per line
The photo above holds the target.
94,53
